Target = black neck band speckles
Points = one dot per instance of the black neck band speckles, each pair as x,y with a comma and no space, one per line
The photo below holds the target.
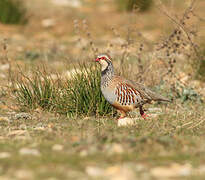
106,75
104,71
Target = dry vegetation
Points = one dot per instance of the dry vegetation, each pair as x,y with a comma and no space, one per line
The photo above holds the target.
55,123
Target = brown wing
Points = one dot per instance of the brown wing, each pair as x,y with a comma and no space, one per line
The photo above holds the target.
145,93
128,95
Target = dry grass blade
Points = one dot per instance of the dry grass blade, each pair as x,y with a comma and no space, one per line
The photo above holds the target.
196,125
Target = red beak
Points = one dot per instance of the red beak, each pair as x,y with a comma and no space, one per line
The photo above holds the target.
98,59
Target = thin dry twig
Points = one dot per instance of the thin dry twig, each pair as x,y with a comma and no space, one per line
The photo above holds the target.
180,23
5,51
200,122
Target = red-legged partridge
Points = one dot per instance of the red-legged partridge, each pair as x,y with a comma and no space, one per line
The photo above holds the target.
123,94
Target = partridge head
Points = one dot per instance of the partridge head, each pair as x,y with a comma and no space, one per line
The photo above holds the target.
104,61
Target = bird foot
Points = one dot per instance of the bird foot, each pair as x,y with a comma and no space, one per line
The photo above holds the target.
120,118
126,121
144,116
142,113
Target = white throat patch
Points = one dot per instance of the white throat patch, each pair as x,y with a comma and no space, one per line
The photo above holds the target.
104,65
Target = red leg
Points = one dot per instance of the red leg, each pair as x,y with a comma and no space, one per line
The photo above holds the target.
120,118
144,116
142,113
122,114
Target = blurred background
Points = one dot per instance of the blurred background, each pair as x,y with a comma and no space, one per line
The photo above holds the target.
51,107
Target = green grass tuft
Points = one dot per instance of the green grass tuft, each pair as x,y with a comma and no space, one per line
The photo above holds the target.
12,12
39,91
129,5
82,95
200,74
79,95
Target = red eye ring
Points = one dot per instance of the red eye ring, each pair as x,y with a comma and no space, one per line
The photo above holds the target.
100,58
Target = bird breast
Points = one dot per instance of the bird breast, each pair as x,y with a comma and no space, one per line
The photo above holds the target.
123,95
109,94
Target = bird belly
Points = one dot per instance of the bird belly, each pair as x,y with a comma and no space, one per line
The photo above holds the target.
125,108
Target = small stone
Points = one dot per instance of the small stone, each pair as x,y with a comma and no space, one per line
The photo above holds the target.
83,153
48,23
4,119
23,174
126,122
29,151
116,149
175,170
57,147
4,67
2,76
68,3
22,115
94,171
120,172
4,155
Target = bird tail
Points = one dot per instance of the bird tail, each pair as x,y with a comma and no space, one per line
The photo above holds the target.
157,97
161,98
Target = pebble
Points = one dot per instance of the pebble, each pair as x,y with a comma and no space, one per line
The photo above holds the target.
57,147
69,3
126,122
120,172
24,174
116,149
174,170
46,23
4,67
4,155
94,171
4,119
29,151
22,115
83,153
